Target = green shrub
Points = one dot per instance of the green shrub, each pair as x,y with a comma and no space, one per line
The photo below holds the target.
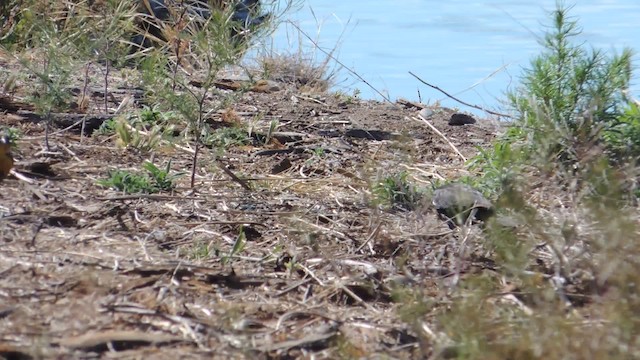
569,94
155,180
397,192
623,136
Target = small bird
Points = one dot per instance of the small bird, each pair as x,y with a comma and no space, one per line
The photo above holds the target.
455,203
6,160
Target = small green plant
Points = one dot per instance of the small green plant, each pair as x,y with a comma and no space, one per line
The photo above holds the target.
140,139
155,180
273,126
154,116
348,99
210,49
108,127
396,191
161,179
226,137
11,133
128,182
319,152
238,247
623,136
202,251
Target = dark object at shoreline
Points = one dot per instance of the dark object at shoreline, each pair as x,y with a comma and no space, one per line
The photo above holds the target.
456,202
246,15
459,119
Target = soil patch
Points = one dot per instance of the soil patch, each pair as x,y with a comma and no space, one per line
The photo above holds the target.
89,272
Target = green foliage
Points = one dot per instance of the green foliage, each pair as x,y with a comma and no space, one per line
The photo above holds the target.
11,133
348,99
569,105
154,116
494,166
225,137
127,182
569,94
107,128
396,191
160,178
202,251
238,247
135,132
623,136
562,175
155,180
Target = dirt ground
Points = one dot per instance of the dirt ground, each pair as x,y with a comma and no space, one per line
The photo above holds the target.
87,272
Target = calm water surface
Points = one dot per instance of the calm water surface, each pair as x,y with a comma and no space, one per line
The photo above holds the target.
473,49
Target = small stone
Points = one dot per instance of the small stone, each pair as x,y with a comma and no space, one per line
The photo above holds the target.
282,166
456,202
426,113
459,119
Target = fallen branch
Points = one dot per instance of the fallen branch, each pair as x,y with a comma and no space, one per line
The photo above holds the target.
420,117
458,100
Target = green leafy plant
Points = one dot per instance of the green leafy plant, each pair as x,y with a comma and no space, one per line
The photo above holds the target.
238,247
154,116
225,137
108,127
155,180
141,139
202,251
11,133
623,136
162,179
396,191
128,182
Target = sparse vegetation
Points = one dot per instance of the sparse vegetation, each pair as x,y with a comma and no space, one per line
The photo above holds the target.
396,191
225,137
153,181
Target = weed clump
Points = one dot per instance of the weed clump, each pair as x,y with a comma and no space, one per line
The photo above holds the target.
153,181
397,192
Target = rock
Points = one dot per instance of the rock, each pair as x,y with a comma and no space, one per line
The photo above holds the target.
283,165
377,135
459,119
456,202
426,113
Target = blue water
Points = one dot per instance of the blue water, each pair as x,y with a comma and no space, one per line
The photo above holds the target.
472,49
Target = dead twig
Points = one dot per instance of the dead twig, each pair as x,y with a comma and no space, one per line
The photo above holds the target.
458,100
233,176
420,117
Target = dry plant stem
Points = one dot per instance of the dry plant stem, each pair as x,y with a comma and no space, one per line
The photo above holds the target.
386,98
194,163
47,130
106,81
458,100
231,175
84,97
420,117
373,234
357,298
